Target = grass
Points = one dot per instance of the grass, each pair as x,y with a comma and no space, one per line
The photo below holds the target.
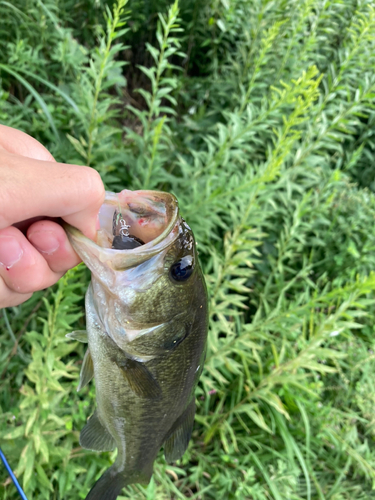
259,116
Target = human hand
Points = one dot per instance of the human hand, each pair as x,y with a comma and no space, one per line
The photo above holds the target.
35,253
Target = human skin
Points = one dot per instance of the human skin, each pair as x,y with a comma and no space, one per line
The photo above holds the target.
35,191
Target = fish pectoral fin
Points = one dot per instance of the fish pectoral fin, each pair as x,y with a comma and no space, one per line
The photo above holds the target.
94,436
177,443
80,335
139,378
87,371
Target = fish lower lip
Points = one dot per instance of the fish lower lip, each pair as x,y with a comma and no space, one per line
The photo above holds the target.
157,227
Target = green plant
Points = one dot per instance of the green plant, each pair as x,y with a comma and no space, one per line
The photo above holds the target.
259,117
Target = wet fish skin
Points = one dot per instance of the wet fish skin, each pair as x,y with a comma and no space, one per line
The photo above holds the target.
147,339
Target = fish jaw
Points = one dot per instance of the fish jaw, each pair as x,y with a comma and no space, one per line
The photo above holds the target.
150,214
153,216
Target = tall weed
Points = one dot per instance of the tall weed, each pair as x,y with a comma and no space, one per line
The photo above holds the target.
259,117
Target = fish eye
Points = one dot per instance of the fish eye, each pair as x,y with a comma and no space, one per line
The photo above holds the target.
182,269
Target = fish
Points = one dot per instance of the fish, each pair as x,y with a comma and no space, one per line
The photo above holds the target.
146,330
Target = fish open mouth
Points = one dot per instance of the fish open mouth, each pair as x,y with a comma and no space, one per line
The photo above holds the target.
134,218
133,226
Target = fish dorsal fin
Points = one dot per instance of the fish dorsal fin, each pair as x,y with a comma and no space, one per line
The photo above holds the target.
87,371
80,335
94,436
177,443
139,378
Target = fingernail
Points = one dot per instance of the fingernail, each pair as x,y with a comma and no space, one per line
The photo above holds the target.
10,251
44,241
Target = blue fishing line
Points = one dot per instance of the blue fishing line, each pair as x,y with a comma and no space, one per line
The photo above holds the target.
13,477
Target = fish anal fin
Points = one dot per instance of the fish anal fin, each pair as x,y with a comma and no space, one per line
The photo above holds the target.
87,371
79,335
178,441
139,378
94,436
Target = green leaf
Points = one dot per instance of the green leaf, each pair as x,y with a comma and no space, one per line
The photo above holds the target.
36,96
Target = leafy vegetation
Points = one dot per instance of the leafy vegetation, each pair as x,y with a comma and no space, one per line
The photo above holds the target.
259,116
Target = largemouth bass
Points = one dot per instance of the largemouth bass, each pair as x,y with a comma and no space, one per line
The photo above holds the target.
146,316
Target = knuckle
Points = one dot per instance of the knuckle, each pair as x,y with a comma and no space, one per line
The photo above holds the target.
37,283
43,277
29,281
48,279
4,208
3,219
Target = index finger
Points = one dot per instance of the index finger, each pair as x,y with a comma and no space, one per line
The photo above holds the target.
42,187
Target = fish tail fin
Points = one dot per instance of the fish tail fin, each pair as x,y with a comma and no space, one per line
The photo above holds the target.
110,484
108,487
